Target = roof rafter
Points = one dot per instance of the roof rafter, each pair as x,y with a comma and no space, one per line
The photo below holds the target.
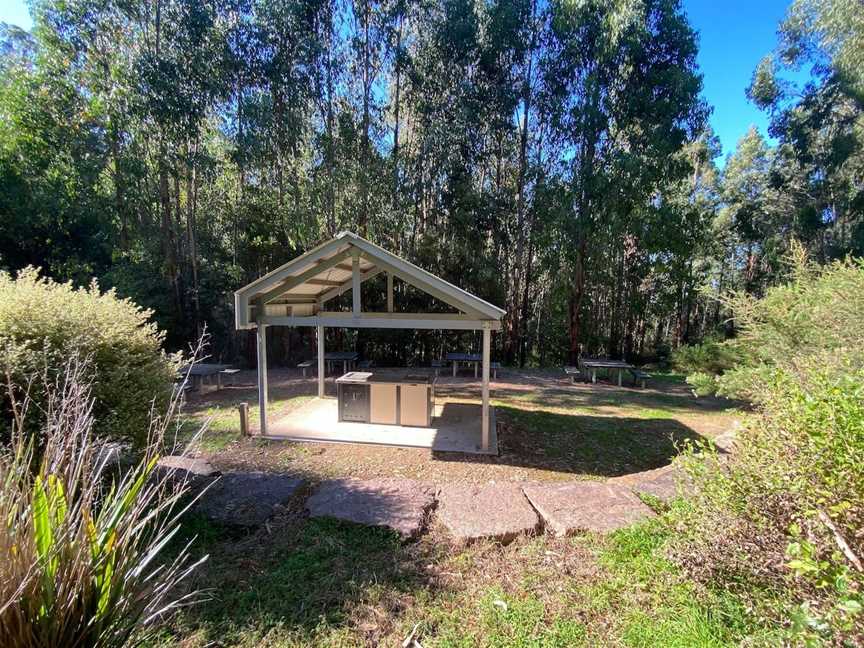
345,286
303,277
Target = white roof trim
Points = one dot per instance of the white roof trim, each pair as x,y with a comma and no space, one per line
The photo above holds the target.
373,254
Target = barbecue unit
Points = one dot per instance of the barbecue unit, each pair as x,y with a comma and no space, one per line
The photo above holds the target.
367,397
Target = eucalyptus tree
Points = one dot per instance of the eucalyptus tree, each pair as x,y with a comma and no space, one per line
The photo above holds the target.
819,124
624,97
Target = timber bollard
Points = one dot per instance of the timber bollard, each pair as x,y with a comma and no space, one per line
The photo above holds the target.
244,419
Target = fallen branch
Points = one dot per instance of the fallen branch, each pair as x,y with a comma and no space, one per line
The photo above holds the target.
841,542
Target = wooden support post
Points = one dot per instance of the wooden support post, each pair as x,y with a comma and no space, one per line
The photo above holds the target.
389,292
262,378
320,361
244,419
487,343
355,281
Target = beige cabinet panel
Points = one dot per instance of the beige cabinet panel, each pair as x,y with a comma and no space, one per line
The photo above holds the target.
382,408
414,405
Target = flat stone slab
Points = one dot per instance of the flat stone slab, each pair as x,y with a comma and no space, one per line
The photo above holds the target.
586,506
488,511
665,485
247,499
192,466
726,442
400,504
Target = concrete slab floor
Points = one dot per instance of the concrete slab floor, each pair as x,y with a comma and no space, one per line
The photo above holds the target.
455,428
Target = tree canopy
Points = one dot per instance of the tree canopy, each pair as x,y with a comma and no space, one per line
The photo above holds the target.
550,156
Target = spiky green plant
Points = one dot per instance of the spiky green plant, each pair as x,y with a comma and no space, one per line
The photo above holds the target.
82,540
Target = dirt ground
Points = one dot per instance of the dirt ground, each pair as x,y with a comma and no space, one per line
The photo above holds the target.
548,429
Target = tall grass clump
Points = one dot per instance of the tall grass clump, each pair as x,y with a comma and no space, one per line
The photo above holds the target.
781,519
81,537
44,323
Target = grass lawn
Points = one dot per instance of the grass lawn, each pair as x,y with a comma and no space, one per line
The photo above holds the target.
304,582
299,581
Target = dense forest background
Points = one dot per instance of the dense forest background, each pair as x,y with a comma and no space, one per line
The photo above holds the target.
550,156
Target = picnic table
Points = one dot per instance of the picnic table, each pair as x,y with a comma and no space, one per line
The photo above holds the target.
609,365
345,357
467,358
201,371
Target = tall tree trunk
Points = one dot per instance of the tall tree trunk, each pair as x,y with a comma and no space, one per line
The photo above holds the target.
169,245
241,158
523,341
574,305
329,141
365,144
396,108
519,275
192,246
119,190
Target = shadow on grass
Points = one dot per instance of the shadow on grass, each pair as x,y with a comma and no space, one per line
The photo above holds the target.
601,446
297,580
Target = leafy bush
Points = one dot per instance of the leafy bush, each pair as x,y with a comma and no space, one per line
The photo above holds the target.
704,384
44,323
706,361
780,519
81,561
712,356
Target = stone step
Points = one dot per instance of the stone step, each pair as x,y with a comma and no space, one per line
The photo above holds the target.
575,507
400,504
247,498
488,511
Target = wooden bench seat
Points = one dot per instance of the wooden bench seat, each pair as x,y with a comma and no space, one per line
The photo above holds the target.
494,367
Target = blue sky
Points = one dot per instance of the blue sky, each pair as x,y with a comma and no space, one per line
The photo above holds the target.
733,36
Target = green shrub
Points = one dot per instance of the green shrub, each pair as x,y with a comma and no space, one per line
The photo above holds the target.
780,519
44,323
82,541
703,384
712,356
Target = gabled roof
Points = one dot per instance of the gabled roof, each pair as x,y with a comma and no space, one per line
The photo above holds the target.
326,271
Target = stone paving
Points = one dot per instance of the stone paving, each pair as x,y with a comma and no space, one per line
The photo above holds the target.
489,511
665,485
469,512
575,507
247,499
401,504
188,465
